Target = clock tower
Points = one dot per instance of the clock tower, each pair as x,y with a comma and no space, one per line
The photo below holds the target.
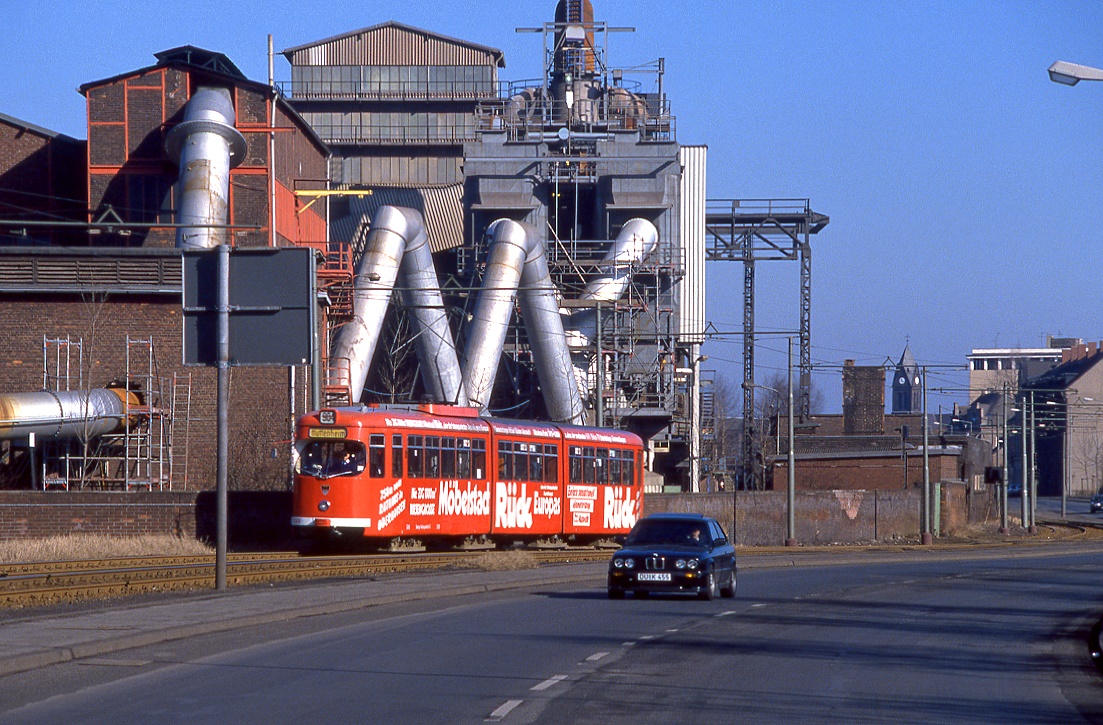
907,388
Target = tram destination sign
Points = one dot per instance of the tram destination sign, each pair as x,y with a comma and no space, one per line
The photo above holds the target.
271,311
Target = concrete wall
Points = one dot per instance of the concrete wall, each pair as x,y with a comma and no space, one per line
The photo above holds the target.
262,518
829,517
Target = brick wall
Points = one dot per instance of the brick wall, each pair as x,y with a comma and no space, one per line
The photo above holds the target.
255,518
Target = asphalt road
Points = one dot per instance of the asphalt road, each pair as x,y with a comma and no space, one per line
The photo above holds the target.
921,637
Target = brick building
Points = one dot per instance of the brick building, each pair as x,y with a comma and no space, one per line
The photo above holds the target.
41,180
108,305
867,449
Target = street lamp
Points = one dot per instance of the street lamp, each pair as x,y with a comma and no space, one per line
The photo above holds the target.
1070,74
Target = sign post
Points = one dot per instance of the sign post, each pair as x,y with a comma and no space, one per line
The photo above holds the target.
245,307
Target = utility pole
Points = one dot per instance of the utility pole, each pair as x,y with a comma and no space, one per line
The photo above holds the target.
927,537
791,487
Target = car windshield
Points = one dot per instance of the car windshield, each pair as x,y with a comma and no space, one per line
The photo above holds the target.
686,533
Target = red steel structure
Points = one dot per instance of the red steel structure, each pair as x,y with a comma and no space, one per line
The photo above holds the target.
439,474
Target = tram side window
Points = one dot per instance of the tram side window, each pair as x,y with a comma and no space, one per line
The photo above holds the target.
396,456
551,464
415,463
536,462
432,456
377,453
521,461
575,464
463,458
588,465
505,460
614,468
478,459
448,457
601,465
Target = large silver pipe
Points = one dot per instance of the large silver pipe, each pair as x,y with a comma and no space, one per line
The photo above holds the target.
517,261
635,242
395,233
206,146
436,346
494,307
63,414
544,325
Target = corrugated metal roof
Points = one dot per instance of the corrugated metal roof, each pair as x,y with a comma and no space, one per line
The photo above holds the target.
393,43
440,206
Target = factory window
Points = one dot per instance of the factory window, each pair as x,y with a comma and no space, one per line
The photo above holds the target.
391,80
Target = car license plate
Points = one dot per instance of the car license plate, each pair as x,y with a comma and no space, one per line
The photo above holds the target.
662,576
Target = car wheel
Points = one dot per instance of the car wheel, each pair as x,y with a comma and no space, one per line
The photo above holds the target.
729,591
616,593
709,591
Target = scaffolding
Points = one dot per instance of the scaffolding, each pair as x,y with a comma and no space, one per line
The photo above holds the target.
141,455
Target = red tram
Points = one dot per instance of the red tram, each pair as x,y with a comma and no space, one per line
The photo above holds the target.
442,474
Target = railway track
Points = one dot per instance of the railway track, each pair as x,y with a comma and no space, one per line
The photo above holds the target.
38,584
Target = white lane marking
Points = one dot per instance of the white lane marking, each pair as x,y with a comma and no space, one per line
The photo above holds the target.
598,655
756,606
627,644
548,683
505,709
727,613
650,636
674,630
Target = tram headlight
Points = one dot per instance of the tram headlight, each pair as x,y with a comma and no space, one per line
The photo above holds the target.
323,505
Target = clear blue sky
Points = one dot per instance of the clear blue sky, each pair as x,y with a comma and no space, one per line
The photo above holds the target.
965,189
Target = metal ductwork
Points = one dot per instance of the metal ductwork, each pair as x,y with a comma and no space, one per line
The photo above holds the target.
637,239
206,146
64,414
517,262
398,243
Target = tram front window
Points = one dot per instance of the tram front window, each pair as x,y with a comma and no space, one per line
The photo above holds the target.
327,459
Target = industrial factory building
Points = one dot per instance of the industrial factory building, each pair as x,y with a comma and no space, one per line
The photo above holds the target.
560,222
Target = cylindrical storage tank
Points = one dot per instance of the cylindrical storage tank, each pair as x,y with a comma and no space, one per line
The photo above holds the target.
64,414
206,146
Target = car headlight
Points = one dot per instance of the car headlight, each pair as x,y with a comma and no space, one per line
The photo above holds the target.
629,563
680,564
618,563
692,564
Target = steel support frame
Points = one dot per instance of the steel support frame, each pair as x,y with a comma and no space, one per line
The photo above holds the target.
754,230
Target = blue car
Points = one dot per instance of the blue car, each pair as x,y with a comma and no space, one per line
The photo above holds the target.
674,553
